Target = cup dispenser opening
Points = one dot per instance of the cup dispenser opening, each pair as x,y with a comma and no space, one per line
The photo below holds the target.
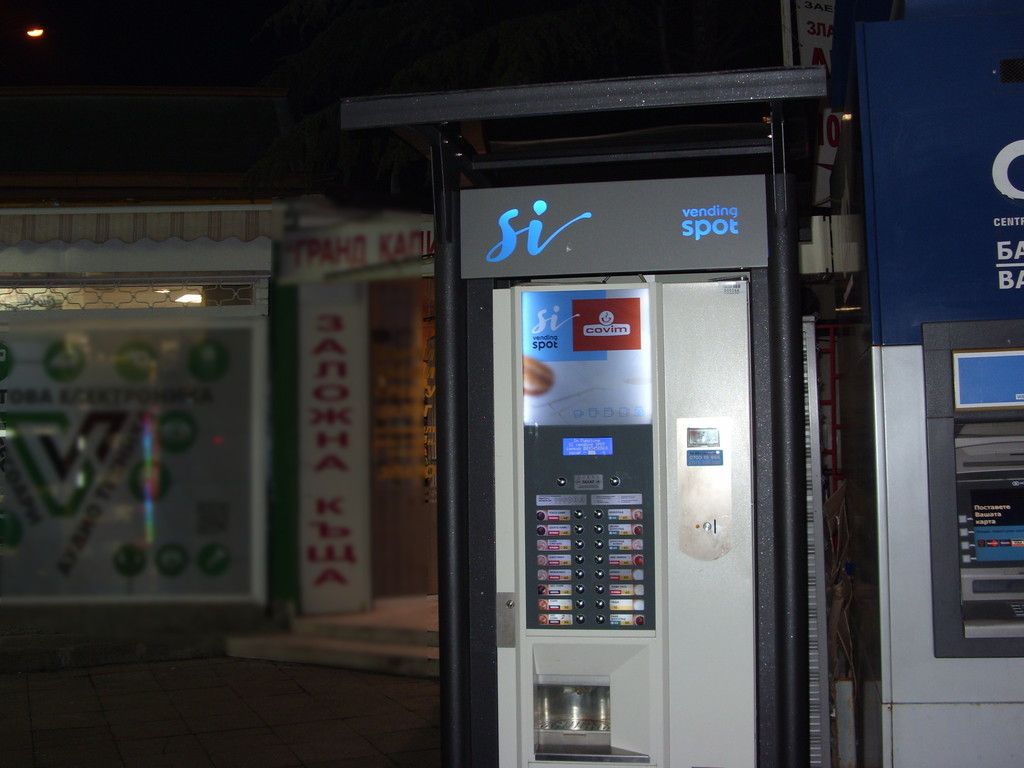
573,721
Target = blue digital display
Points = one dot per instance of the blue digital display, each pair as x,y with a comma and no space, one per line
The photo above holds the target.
586,446
993,379
705,459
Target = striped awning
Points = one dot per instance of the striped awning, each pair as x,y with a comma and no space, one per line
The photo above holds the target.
181,238
130,224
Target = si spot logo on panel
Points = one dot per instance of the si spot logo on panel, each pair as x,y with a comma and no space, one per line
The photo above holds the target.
712,221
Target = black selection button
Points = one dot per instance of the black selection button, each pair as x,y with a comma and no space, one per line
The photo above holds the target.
598,529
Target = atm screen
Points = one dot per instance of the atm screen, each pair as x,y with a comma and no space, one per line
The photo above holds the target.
998,515
988,379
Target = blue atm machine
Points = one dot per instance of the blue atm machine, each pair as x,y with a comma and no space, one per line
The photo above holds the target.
941,116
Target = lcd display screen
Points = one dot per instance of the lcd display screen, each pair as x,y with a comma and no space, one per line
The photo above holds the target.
988,379
586,446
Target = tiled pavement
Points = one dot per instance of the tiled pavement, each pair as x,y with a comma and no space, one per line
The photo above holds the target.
217,713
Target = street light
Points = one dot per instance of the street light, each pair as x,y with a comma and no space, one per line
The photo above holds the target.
35,32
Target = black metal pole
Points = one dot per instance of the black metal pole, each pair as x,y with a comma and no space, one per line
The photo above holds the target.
451,437
789,470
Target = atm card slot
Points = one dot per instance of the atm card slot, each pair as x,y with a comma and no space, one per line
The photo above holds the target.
991,586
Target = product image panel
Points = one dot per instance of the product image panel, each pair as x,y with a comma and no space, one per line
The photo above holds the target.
589,527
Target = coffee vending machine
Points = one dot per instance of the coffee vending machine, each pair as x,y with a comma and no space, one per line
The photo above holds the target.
621,499
630,435
624,515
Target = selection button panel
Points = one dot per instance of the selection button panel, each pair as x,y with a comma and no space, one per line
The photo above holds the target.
590,556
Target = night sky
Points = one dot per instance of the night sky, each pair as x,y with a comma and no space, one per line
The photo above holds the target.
136,43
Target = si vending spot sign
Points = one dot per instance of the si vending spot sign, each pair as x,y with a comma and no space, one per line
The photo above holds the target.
654,225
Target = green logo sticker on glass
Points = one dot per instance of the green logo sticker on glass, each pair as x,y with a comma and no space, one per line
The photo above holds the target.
171,559
47,445
177,431
10,532
6,360
63,361
208,360
149,480
213,559
129,560
136,361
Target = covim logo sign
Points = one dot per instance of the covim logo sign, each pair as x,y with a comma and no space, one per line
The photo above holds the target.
605,324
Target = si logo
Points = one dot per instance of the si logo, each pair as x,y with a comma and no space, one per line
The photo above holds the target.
533,231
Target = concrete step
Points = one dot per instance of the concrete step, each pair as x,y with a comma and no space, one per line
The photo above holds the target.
411,660
397,635
350,628
47,652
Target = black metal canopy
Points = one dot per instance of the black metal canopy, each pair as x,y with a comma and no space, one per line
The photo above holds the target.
602,129
633,93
